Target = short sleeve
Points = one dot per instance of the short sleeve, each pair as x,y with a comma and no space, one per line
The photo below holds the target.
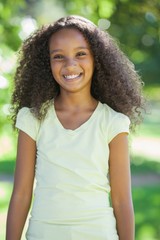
27,123
120,123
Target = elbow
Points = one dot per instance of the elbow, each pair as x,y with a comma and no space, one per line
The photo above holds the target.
123,203
22,197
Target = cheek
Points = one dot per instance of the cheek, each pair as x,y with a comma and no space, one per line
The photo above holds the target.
90,66
54,73
54,68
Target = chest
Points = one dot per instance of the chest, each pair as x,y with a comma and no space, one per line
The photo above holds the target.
84,148
73,120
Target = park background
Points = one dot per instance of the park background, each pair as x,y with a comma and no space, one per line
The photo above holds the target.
136,26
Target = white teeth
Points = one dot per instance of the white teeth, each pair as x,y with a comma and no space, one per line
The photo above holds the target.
71,76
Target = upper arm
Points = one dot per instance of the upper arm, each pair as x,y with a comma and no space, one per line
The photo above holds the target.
25,164
119,169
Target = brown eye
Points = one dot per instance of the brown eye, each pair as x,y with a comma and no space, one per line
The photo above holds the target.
58,57
79,54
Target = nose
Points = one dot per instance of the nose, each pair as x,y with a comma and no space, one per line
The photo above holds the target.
70,62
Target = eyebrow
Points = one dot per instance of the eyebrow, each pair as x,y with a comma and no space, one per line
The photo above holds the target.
59,50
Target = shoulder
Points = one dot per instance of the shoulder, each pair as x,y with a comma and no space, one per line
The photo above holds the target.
112,115
25,111
26,114
115,122
27,122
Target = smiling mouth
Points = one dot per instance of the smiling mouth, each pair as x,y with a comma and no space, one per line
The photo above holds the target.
71,77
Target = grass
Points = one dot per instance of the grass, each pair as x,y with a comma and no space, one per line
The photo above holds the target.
5,193
147,204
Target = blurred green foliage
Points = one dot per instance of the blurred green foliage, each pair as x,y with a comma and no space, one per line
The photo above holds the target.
10,26
135,24
10,20
147,202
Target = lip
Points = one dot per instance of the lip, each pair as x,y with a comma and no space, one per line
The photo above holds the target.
71,77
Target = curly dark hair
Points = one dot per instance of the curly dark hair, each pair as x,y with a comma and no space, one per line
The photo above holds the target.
115,81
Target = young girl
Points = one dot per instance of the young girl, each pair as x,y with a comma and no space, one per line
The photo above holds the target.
75,92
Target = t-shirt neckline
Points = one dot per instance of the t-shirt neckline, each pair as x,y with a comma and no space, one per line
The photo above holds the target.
82,126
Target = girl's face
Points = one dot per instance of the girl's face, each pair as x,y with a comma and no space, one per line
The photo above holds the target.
71,59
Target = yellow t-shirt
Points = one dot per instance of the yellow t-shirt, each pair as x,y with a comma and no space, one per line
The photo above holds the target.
72,165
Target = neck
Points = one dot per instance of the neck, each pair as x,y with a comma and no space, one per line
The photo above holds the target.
75,100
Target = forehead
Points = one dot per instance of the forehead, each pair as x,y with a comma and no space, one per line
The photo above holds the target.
68,35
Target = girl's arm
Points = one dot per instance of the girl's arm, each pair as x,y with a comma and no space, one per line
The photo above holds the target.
120,180
23,185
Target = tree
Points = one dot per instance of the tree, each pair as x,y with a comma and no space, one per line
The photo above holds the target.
136,25
10,27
